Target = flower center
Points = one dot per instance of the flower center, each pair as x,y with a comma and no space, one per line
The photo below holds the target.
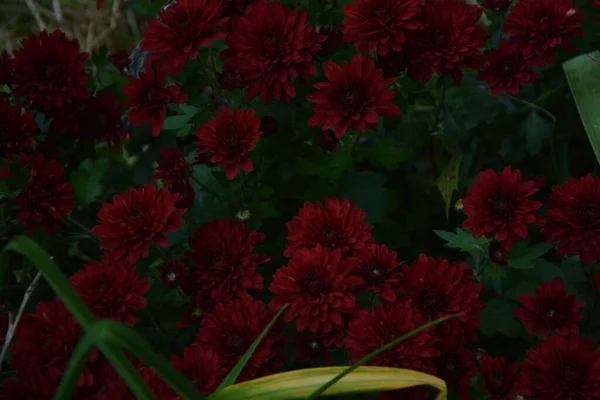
374,275
220,264
136,214
449,367
432,303
588,212
551,312
507,68
269,40
502,206
313,284
235,342
328,237
230,133
350,99
197,311
570,372
171,276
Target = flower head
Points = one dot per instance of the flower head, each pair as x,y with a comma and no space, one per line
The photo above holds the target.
232,328
380,24
270,46
229,138
318,285
563,367
17,128
135,218
538,27
505,70
181,30
49,71
501,205
574,211
502,380
373,329
149,96
450,41
47,197
172,167
201,365
354,97
111,290
337,224
378,268
439,287
551,309
223,262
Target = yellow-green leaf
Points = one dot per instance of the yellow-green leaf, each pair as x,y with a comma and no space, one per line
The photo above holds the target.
447,182
301,383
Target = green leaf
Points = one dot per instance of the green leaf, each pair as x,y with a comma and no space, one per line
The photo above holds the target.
86,180
366,189
583,75
523,257
237,369
536,129
339,163
388,154
497,318
464,241
447,182
178,123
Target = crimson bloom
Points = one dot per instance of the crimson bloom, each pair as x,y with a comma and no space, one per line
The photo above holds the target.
450,40
270,46
201,365
337,224
149,96
318,285
538,27
563,368
380,24
439,287
373,329
501,205
135,218
229,138
172,167
49,71
574,209
17,128
180,31
353,97
47,197
551,309
223,262
111,290
232,328
378,268
502,380
505,69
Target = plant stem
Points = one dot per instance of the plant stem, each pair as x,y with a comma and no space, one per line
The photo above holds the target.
542,110
91,234
204,187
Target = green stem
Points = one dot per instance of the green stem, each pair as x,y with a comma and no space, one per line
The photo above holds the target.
205,188
91,234
541,110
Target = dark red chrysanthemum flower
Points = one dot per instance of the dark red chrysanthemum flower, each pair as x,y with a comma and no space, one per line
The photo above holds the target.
378,268
337,224
107,384
550,310
439,287
450,41
187,195
334,39
135,218
497,254
48,71
111,290
318,285
16,129
149,95
501,205
574,209
352,98
380,25
505,69
456,364
46,340
47,197
538,27
172,167
96,118
6,68
496,5
268,126
229,138
233,327
156,384
596,4
223,263
563,368
270,46
310,346
120,59
373,329
502,380
181,30
29,384
201,366
328,141
173,273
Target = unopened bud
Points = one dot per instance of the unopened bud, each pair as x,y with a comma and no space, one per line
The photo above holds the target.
458,206
243,215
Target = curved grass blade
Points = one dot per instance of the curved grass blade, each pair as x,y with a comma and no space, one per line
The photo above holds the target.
583,75
374,354
237,369
301,383
76,365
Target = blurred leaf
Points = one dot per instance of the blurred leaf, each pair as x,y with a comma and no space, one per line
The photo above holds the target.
536,129
86,180
447,182
583,75
366,190
388,154
497,318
